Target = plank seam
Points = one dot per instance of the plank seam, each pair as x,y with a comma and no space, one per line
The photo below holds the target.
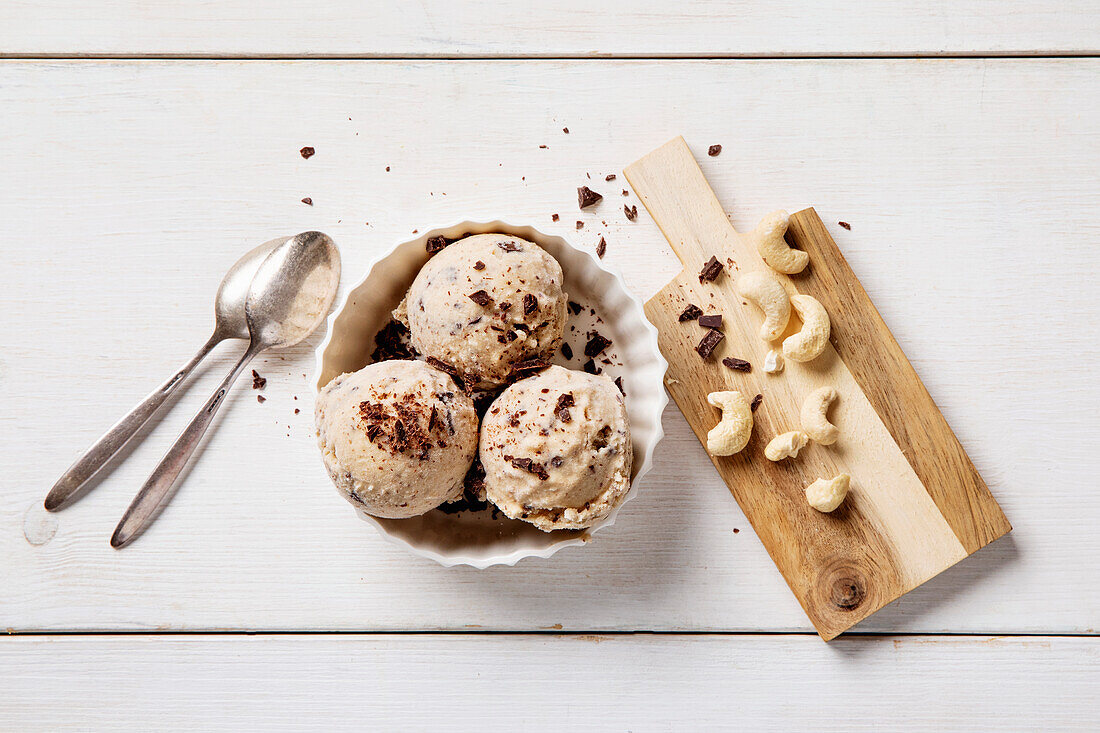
977,55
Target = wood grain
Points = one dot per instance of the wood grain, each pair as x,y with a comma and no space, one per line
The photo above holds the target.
889,536
498,28
621,683
130,187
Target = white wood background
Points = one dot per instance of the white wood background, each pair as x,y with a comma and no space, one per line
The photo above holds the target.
129,186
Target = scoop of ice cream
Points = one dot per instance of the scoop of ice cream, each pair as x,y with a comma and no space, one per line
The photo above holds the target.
397,437
556,449
486,303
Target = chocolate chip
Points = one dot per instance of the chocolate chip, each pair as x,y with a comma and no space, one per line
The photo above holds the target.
556,461
526,464
481,298
307,201
479,265
373,431
596,345
691,313
609,177
739,365
435,244
258,382
845,224
567,351
601,248
587,197
566,399
709,341
591,368
756,402
631,212
619,384
711,321
307,152
574,307
508,246
714,150
554,217
711,270
505,306
530,304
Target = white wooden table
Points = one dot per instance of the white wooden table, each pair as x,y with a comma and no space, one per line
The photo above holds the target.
145,146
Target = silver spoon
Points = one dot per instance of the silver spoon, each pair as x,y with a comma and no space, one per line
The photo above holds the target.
229,323
289,298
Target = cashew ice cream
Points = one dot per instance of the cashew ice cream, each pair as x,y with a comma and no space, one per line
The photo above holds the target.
484,304
556,449
396,437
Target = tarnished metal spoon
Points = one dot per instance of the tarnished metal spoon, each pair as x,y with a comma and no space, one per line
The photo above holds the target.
229,323
290,296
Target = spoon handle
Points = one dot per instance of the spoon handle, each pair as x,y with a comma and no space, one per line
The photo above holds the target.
156,492
95,458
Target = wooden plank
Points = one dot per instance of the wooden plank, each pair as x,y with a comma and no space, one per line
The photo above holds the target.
888,380
639,683
891,534
500,28
130,187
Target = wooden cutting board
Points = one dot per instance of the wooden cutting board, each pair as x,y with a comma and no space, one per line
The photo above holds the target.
917,504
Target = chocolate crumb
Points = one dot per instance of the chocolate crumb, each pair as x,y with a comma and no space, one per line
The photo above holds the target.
619,384
845,224
307,152
609,177
714,150
596,345
261,399
580,224
756,402
508,246
435,244
711,321
387,169
567,351
479,265
530,304
258,382
739,365
709,341
735,530
554,217
691,313
601,248
591,368
542,147
565,130
296,410
307,201
631,212
575,307
625,192
711,270
481,298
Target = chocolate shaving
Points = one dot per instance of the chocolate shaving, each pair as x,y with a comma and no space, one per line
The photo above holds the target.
711,321
756,402
845,224
714,150
587,197
619,384
596,345
739,365
481,298
447,369
435,244
711,270
258,382
601,248
631,212
373,431
479,265
530,304
710,340
527,367
567,351
508,246
691,313
307,152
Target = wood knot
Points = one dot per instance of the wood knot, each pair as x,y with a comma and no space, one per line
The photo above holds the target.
847,592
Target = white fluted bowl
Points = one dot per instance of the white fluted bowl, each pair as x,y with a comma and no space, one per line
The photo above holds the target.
477,538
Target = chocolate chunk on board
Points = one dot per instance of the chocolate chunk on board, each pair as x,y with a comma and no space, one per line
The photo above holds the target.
691,313
596,345
845,224
258,382
601,248
709,342
307,201
739,365
307,152
711,270
631,212
587,197
714,150
711,321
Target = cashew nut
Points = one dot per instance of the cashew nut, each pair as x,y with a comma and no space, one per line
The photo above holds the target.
773,362
826,496
732,432
768,236
810,341
813,419
786,445
770,296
